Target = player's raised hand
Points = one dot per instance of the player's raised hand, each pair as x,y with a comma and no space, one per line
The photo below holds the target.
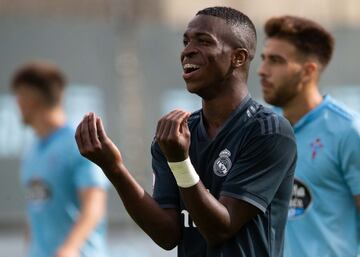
95,145
173,135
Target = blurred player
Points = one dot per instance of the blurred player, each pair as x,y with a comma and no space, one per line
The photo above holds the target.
66,197
222,180
326,194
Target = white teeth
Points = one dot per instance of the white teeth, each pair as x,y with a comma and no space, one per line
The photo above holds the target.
191,66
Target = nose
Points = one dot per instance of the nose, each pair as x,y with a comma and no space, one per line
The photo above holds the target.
262,71
188,51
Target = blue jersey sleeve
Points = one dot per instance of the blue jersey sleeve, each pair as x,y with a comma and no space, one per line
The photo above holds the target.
349,152
166,191
263,164
87,174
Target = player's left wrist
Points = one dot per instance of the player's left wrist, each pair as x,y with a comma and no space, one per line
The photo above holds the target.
177,158
68,250
72,245
184,173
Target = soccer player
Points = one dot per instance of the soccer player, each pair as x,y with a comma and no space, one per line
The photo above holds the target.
224,174
66,194
326,195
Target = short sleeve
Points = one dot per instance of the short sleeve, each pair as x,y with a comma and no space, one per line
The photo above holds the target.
349,152
87,174
166,191
262,165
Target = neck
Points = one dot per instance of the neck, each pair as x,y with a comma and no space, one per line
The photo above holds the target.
302,104
217,110
48,121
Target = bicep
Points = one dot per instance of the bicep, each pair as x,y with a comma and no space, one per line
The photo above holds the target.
173,214
93,198
239,211
257,175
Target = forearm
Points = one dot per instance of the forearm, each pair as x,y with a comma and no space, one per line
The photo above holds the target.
162,225
93,208
210,216
81,230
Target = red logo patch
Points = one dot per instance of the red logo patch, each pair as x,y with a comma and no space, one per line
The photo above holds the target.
315,146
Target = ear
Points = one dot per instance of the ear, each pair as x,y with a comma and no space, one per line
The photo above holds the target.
311,71
239,57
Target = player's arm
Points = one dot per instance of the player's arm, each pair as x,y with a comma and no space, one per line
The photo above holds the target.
349,159
93,207
162,225
357,200
217,219
27,234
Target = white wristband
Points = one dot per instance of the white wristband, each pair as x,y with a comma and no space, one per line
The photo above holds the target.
184,173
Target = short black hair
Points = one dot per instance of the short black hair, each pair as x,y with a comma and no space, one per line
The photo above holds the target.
43,76
309,37
243,28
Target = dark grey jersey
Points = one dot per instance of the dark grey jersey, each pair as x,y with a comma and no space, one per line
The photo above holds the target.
251,159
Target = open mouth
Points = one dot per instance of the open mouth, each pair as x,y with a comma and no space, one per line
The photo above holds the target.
189,68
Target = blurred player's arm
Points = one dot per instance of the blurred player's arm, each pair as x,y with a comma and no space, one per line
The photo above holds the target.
162,225
349,159
92,210
357,200
27,234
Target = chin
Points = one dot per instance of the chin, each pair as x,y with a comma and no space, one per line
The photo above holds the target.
25,120
269,100
275,102
192,87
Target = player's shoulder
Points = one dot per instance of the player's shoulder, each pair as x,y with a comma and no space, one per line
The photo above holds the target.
343,121
66,137
340,112
266,121
66,143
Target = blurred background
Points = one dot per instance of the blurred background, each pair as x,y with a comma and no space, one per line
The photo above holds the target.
122,60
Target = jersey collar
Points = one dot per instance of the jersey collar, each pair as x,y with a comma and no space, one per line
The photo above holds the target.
243,105
43,142
313,114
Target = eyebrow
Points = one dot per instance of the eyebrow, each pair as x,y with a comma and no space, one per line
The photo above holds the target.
273,56
199,34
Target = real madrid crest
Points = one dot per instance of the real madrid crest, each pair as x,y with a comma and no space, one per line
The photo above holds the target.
222,165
